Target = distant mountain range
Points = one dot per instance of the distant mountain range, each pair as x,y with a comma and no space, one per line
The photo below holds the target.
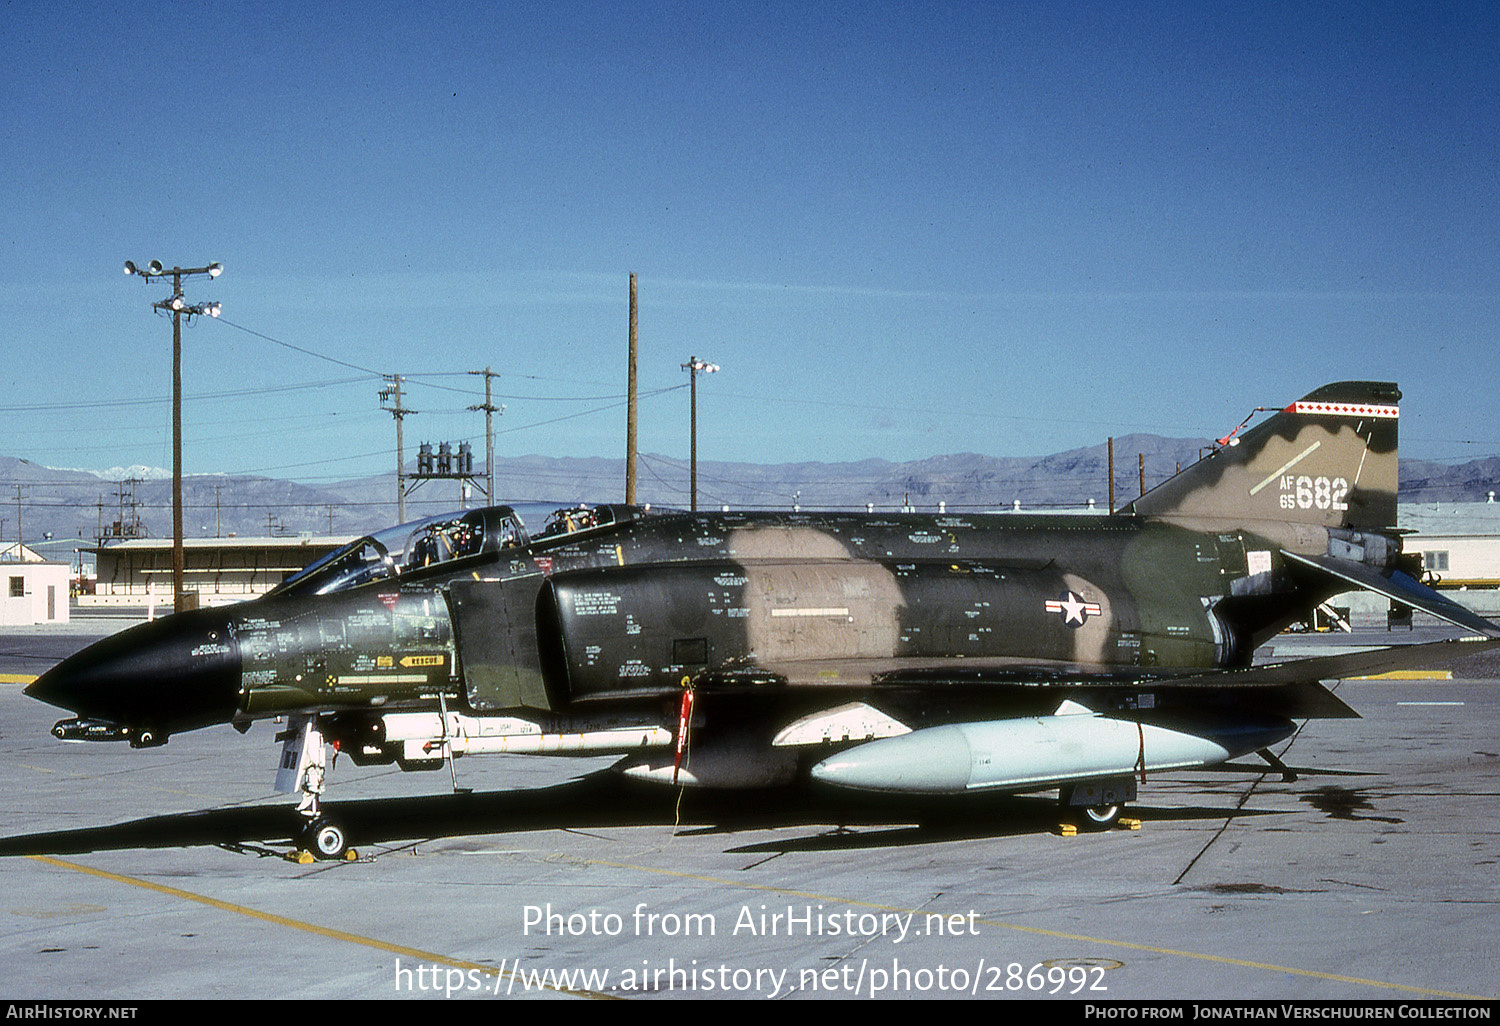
75,506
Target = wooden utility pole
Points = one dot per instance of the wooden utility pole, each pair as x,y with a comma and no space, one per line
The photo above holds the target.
393,396
489,409
630,415
179,562
694,367
693,405
1111,475
177,306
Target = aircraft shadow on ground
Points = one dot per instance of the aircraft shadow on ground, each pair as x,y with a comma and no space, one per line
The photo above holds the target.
839,821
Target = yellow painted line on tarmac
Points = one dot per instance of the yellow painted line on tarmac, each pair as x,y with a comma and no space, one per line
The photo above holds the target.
16,678
1041,932
296,924
1409,675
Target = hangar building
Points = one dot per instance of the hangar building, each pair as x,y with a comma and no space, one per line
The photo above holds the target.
221,570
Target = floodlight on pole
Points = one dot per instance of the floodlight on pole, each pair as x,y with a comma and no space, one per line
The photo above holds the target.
694,367
177,306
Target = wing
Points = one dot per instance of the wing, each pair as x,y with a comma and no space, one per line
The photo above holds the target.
1291,688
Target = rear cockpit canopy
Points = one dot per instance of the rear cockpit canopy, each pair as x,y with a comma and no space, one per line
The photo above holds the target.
572,520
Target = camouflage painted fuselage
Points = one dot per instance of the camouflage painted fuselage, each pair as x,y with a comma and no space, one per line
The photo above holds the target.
650,603
842,598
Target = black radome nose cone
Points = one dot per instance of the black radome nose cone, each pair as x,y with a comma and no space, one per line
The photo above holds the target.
173,674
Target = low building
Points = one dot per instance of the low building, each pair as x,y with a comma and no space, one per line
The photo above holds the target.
15,552
1459,543
138,572
35,592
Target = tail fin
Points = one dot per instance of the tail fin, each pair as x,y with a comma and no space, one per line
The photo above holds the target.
1328,460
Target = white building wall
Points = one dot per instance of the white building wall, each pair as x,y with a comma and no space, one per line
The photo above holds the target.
33,593
1459,561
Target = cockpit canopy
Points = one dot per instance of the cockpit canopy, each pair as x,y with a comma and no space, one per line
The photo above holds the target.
409,548
573,519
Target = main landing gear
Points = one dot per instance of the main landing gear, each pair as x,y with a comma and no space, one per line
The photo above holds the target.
1096,805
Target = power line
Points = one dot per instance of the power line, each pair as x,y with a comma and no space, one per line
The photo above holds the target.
163,401
300,349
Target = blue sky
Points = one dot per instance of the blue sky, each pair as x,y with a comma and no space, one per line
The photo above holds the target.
900,229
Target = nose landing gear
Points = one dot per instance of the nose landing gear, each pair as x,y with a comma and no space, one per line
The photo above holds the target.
325,838
303,770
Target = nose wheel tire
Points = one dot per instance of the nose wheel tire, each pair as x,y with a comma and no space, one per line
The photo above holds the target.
326,839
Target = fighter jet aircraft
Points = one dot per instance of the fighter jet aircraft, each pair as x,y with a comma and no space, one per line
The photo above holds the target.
921,653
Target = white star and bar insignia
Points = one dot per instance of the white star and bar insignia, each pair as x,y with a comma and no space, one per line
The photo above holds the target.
1074,610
